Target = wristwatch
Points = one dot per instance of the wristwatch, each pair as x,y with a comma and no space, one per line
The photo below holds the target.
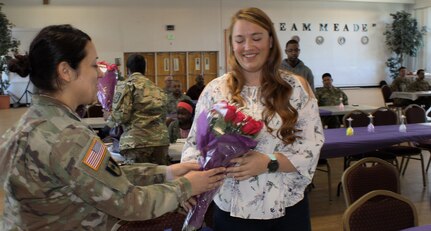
273,163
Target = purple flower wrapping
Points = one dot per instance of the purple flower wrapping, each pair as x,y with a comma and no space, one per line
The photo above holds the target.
216,151
106,88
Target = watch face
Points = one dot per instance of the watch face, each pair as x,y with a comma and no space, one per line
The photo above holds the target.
273,166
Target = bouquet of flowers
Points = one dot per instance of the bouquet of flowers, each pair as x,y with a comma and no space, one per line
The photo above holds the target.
106,84
222,134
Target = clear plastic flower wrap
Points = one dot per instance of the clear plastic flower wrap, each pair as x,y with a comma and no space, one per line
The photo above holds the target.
222,134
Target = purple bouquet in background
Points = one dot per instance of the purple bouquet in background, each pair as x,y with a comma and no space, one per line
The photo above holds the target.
222,134
106,84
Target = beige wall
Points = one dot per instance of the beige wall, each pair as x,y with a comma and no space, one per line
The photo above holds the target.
365,96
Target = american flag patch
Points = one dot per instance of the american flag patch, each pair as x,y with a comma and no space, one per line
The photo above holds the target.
95,154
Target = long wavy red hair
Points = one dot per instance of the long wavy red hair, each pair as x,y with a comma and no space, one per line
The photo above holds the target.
275,92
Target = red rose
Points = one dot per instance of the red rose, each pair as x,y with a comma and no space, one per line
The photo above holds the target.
230,113
252,127
239,118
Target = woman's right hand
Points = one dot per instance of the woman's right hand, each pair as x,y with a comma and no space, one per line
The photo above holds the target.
203,181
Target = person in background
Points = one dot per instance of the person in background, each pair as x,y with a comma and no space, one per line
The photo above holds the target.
328,95
194,91
173,99
420,84
294,64
169,84
140,107
57,173
400,83
265,187
180,128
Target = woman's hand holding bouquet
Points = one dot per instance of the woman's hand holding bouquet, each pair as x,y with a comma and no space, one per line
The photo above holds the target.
222,134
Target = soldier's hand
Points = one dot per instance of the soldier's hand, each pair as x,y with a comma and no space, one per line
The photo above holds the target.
187,205
203,181
178,170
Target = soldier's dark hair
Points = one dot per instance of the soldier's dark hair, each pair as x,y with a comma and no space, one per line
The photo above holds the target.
292,41
51,46
402,68
136,63
420,70
326,75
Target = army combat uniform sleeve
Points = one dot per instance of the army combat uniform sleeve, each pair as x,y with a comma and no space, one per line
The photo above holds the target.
143,174
81,160
123,103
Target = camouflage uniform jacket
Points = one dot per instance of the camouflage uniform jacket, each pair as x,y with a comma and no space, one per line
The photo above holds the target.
400,84
330,96
140,106
60,176
300,69
172,104
419,85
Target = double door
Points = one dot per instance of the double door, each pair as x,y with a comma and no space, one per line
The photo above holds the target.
182,66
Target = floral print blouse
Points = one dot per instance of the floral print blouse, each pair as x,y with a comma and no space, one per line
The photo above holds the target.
267,195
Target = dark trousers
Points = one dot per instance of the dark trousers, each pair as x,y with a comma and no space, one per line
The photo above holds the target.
296,218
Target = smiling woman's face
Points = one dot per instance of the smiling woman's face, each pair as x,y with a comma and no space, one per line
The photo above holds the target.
251,44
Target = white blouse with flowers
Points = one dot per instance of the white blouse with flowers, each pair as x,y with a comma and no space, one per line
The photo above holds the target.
266,196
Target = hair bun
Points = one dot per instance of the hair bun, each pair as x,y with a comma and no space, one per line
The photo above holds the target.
20,65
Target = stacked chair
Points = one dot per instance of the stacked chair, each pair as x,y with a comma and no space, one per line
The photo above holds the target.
380,210
371,190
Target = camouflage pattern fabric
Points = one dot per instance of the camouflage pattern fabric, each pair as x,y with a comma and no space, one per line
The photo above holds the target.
173,102
60,176
419,85
330,96
400,84
140,106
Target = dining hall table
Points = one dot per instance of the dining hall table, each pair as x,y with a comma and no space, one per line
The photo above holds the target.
413,95
337,110
337,144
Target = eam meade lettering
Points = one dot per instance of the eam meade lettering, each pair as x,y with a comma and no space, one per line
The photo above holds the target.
325,27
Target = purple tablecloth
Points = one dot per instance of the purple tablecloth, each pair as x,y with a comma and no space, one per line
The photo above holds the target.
419,228
324,112
337,144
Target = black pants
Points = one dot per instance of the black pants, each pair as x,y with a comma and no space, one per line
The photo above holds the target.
297,218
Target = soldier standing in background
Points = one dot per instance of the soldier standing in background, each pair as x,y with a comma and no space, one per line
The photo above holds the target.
57,173
328,95
140,106
294,64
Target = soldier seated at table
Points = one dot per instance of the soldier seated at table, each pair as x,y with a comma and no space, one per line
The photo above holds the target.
420,84
400,83
328,95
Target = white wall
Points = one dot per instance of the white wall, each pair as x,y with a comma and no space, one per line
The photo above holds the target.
138,25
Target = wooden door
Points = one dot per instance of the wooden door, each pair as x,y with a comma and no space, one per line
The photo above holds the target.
178,66
150,71
210,65
194,67
163,67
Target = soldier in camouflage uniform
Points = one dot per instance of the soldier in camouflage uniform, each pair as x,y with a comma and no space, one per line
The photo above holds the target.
420,84
140,107
57,173
328,95
176,96
400,84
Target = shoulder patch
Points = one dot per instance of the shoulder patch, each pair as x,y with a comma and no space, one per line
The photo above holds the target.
95,154
117,97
